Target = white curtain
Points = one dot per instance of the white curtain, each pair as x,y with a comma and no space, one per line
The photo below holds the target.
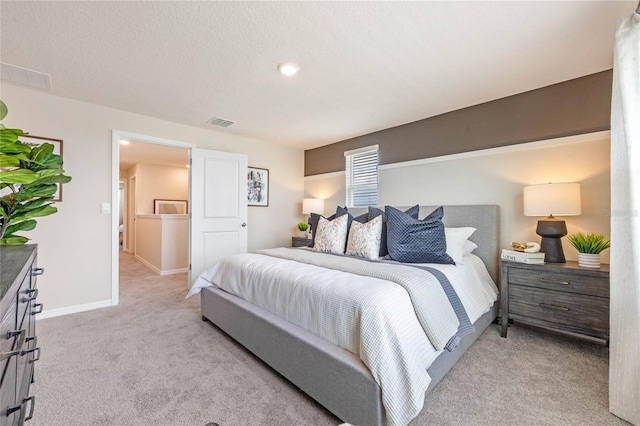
624,359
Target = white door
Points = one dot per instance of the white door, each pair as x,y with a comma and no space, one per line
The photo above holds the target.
218,195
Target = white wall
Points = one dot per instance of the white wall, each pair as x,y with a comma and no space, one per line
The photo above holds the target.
497,177
159,182
162,242
75,243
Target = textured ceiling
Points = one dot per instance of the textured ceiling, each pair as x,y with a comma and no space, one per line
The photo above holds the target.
364,66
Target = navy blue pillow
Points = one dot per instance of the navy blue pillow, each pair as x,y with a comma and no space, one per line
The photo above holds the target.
315,218
363,218
417,241
375,212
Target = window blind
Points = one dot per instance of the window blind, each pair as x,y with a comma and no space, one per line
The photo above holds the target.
362,177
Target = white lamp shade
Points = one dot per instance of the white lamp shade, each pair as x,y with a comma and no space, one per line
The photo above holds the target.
552,199
312,205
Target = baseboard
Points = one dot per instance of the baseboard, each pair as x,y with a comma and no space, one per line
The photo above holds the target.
174,271
147,264
73,309
160,271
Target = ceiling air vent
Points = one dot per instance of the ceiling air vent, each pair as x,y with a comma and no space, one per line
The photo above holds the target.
217,121
25,77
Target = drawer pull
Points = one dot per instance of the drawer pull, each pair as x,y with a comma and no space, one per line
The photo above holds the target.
548,281
37,308
21,333
561,308
23,412
37,271
32,294
33,339
36,357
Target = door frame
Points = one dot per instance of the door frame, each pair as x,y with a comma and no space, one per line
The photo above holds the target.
125,213
116,135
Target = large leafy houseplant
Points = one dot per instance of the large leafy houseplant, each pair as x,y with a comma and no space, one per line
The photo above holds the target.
29,176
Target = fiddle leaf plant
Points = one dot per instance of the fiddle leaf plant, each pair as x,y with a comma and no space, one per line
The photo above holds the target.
29,178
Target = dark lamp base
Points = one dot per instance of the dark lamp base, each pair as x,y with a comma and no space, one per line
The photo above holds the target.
551,231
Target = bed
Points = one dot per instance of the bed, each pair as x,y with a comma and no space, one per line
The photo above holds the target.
335,377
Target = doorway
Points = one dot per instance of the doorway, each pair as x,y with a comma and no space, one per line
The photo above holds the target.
153,151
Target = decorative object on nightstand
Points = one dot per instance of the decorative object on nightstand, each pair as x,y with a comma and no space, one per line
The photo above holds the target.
549,199
560,297
312,205
517,256
302,227
589,247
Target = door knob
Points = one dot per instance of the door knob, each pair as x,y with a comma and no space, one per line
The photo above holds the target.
244,224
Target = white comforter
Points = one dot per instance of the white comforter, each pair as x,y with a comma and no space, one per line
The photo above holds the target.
371,317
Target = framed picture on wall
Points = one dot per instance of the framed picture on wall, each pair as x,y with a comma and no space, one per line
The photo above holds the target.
257,187
170,207
57,149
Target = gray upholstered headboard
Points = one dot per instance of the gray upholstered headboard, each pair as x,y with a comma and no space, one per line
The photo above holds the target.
486,220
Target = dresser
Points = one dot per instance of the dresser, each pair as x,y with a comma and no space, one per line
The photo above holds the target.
559,296
19,348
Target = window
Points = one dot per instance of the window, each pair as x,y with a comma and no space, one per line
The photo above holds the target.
362,177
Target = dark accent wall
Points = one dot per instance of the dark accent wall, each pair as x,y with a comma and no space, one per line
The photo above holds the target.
573,107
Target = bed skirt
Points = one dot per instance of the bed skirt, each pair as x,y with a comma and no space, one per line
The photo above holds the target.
334,377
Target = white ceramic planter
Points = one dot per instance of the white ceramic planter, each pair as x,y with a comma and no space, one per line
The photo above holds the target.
303,234
589,260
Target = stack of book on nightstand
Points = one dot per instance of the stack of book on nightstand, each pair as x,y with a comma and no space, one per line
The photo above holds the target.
518,256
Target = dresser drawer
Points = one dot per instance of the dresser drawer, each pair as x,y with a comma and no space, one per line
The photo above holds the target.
561,281
576,311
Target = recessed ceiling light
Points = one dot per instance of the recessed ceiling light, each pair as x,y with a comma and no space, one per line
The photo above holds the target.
288,68
124,142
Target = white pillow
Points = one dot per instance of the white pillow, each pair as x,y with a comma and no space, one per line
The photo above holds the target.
331,236
469,247
456,238
364,238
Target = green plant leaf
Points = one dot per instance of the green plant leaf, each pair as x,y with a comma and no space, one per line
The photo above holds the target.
57,178
26,225
31,204
41,151
33,191
16,240
30,214
3,110
13,146
9,160
593,243
20,176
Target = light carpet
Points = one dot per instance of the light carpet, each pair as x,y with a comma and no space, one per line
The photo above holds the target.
152,361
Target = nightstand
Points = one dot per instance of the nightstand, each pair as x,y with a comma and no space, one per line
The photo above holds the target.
300,242
558,296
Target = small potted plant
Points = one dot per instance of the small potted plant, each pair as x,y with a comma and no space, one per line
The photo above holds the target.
589,247
302,227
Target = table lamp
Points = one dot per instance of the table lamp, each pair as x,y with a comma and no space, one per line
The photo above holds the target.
312,205
549,199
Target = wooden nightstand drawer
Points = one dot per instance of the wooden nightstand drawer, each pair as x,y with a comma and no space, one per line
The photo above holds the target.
559,296
301,242
578,312
560,280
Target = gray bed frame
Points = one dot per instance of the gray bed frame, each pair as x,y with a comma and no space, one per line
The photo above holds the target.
334,377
